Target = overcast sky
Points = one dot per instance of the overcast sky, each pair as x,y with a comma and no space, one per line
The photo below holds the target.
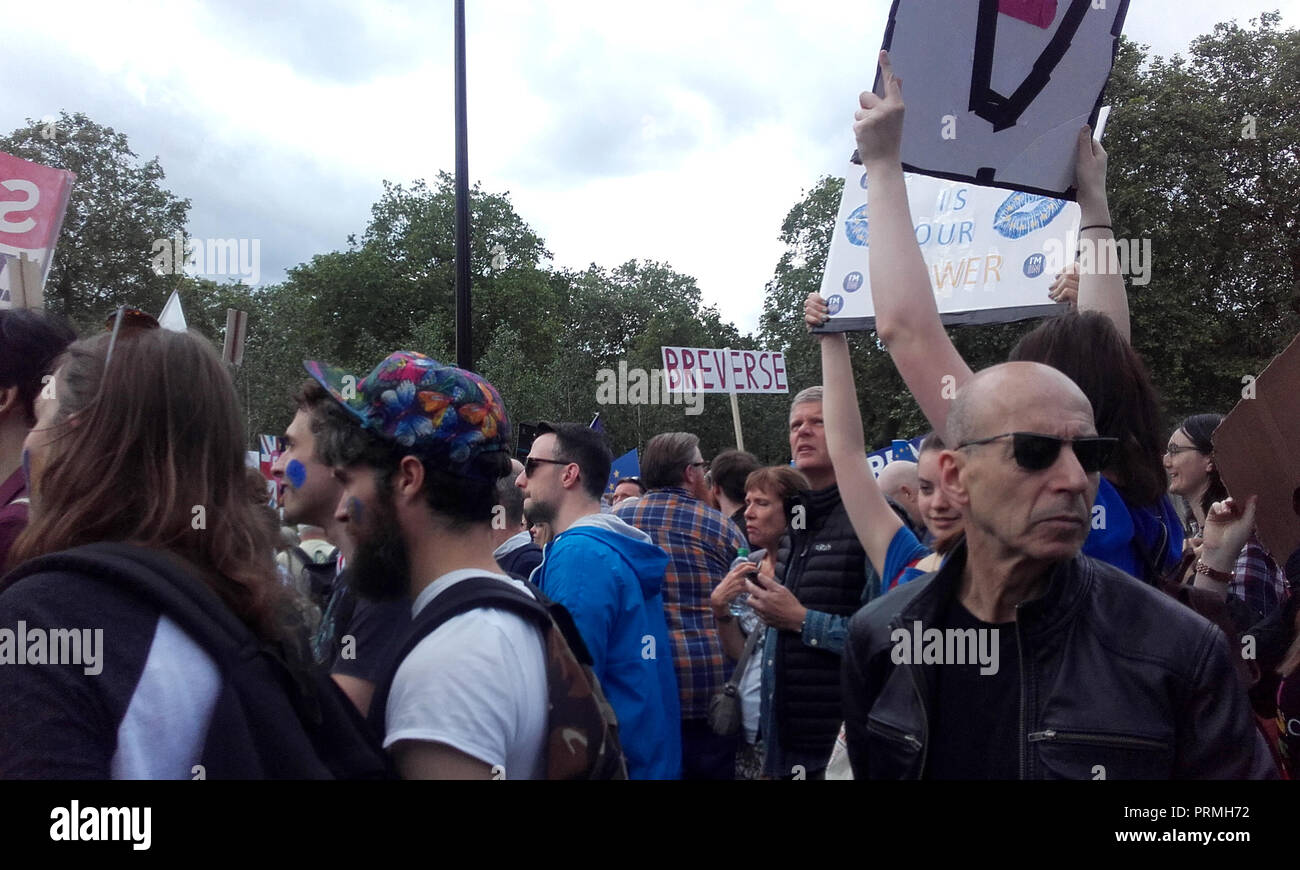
674,131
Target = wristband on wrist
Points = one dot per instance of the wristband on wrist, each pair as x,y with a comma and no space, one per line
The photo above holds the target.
1221,576
1097,227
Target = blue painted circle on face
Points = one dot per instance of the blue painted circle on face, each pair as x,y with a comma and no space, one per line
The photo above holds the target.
863,181
296,472
355,510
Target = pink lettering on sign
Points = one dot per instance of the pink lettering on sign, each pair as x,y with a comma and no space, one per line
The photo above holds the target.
737,368
778,368
1040,13
688,366
750,362
670,368
705,381
764,360
720,363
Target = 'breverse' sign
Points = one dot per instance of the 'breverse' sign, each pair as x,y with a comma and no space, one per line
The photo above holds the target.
709,370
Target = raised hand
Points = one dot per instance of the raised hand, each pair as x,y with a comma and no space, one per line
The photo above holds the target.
815,312
878,124
1090,178
1227,526
1066,286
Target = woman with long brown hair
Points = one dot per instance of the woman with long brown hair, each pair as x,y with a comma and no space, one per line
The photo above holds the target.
143,534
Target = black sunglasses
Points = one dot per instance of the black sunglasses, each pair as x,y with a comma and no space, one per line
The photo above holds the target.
1036,452
531,463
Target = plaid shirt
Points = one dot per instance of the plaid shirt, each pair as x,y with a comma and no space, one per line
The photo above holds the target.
701,544
1257,579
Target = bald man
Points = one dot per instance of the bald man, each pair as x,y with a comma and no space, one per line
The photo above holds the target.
1021,658
900,483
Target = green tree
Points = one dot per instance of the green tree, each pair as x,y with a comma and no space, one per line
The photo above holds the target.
117,210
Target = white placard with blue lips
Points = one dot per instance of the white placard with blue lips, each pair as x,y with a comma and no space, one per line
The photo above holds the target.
991,253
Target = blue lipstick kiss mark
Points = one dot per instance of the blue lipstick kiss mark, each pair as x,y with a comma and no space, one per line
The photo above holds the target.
296,473
355,511
855,226
1023,213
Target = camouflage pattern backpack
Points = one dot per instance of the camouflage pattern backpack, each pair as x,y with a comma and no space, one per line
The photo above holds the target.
582,730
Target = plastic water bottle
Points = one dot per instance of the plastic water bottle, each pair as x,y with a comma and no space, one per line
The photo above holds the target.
740,604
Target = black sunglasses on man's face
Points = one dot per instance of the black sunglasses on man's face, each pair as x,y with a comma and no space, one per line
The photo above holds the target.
531,463
1035,452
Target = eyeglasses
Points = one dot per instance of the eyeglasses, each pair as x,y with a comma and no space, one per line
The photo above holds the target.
1036,452
701,464
531,463
131,318
1175,449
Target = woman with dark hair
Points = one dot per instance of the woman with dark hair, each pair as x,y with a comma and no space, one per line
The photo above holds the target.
144,533
1189,460
29,343
1134,525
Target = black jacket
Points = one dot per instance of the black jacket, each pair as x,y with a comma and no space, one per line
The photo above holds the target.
266,715
1115,676
823,564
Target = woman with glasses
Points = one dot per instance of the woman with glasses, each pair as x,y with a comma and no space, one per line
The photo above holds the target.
146,544
1189,461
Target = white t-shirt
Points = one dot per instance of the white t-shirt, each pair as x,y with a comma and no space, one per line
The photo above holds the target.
477,683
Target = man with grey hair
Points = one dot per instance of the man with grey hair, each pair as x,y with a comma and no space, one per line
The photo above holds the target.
1077,669
822,577
701,544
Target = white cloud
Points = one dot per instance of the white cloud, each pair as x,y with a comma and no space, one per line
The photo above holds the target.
681,132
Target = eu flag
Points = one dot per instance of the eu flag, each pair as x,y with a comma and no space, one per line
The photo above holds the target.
627,465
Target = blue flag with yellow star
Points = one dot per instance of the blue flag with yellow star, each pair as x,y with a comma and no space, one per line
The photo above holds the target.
627,465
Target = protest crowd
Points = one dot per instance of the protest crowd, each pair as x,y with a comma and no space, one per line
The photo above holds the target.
426,606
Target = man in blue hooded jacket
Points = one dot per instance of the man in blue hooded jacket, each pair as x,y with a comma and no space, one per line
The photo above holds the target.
610,577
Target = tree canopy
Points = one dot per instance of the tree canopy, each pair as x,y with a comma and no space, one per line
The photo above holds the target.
1203,162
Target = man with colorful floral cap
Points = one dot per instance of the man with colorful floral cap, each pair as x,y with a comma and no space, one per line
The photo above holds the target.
419,468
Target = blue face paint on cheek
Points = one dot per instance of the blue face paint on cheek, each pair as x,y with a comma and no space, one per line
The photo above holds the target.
355,511
27,470
296,472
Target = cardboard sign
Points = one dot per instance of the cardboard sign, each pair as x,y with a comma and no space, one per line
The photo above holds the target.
1255,451
709,370
232,351
991,255
33,199
997,91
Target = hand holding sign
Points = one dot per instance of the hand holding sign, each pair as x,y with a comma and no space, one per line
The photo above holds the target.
814,313
1090,175
878,125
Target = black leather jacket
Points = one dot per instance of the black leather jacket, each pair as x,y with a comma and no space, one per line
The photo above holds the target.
1118,681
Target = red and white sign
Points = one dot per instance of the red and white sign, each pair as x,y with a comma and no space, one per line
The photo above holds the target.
33,199
709,370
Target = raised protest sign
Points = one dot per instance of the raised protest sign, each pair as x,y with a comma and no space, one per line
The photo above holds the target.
1254,449
33,199
991,254
709,370
997,90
